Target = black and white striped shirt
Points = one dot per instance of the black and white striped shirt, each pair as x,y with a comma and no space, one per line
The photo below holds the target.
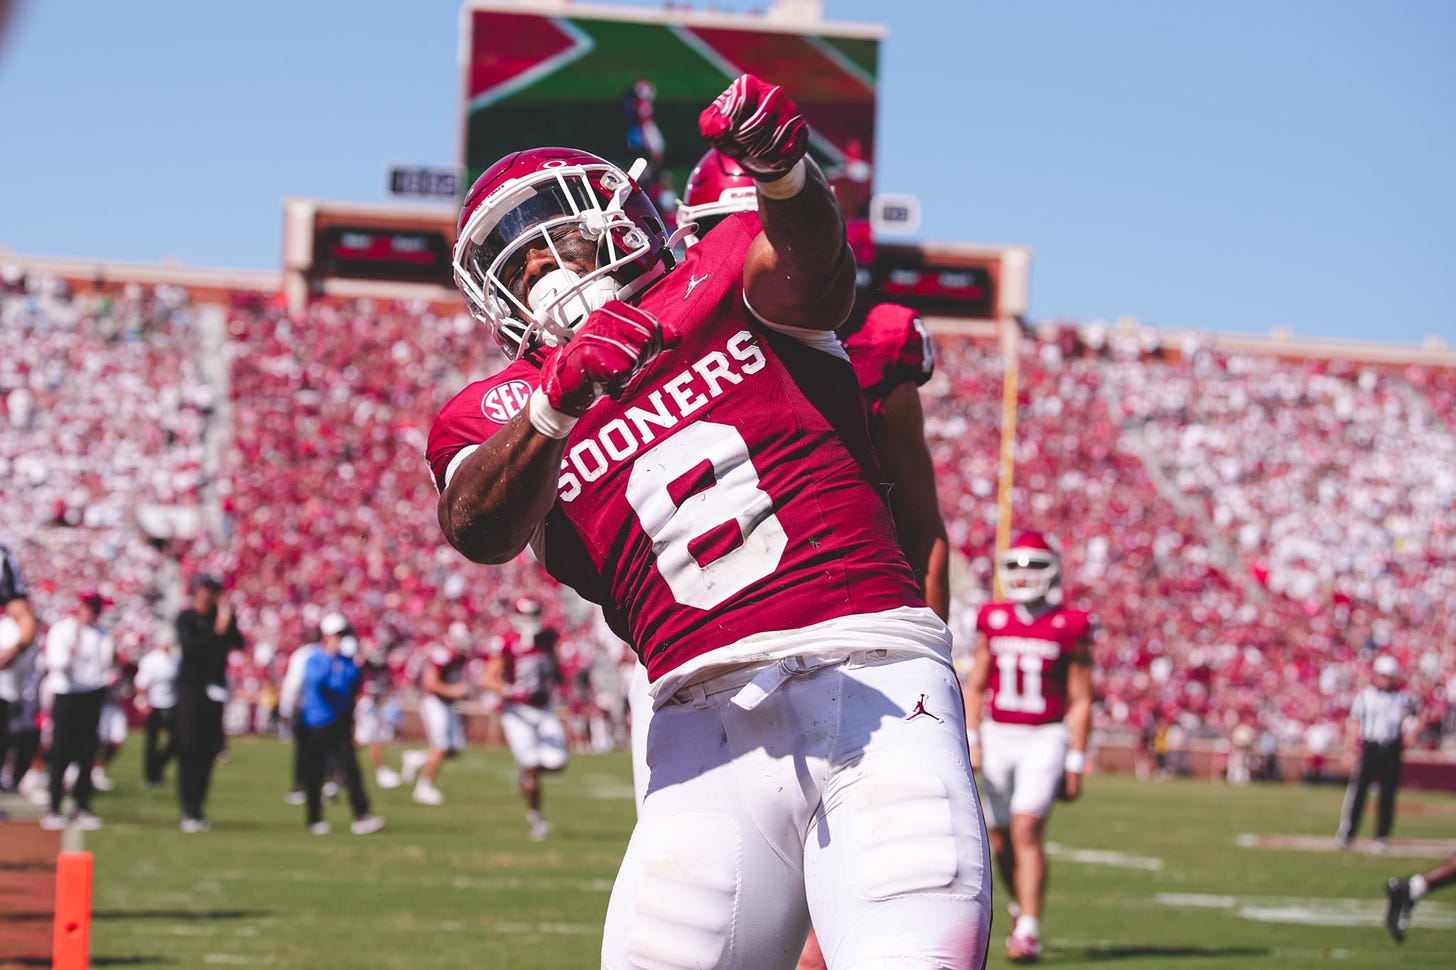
1381,714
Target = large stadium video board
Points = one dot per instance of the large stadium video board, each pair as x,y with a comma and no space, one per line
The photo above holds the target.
626,83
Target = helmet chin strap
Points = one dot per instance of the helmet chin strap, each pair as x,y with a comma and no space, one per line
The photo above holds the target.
559,299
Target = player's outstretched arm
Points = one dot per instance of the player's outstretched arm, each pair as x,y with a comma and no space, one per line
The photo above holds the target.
800,270
498,497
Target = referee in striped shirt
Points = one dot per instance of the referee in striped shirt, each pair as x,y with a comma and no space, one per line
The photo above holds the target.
1379,719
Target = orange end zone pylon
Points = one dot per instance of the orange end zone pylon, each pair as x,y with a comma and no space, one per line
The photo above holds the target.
71,949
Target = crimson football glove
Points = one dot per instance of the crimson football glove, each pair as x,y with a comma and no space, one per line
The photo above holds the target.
759,125
613,346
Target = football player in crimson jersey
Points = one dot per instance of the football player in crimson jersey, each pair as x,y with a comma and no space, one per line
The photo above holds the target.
687,447
525,672
442,685
1028,714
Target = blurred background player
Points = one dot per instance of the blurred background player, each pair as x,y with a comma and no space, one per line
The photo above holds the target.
18,746
207,631
526,673
1028,715
442,687
21,630
375,712
1382,719
324,728
79,660
156,700
113,725
1401,895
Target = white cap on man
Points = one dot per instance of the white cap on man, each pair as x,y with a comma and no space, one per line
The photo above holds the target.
1386,666
333,624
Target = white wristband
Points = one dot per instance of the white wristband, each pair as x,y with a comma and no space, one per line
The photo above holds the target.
546,419
973,738
1075,762
786,186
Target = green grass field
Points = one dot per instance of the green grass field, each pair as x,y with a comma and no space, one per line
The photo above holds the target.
1144,875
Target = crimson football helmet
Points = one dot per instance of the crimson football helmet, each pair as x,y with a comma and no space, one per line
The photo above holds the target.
718,186
1031,569
535,200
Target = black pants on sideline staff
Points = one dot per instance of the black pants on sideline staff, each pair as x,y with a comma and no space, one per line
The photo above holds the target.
161,723
198,740
74,718
330,745
21,750
1380,765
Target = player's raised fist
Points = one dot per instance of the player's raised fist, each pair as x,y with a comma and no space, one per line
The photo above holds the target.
613,346
759,125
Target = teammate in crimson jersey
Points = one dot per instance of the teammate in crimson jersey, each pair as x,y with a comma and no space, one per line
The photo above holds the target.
697,461
442,685
526,673
1028,711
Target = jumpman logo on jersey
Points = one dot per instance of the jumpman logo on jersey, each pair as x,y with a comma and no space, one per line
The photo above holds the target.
919,710
693,282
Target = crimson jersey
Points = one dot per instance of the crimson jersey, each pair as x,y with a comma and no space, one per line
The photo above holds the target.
892,347
531,668
729,494
1029,660
448,664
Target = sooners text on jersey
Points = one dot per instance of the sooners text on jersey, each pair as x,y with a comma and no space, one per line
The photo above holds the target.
730,494
1029,660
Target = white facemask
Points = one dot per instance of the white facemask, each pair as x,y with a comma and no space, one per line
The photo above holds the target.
552,302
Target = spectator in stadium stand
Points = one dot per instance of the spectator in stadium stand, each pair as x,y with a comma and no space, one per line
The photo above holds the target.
1029,717
1401,895
1381,720
16,636
156,700
743,617
207,631
79,660
526,673
324,728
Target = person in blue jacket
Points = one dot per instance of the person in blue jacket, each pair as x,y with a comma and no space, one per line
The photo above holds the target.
323,726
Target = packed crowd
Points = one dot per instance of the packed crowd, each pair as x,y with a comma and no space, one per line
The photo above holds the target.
1247,531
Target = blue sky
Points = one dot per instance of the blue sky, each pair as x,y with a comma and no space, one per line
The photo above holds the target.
1230,166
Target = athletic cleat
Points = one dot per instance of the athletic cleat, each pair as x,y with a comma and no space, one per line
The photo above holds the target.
411,763
319,828
331,791
86,822
295,797
52,822
194,825
427,794
1398,908
1023,949
100,780
387,778
367,825
540,828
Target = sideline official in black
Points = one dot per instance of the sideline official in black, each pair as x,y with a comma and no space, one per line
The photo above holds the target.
206,632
